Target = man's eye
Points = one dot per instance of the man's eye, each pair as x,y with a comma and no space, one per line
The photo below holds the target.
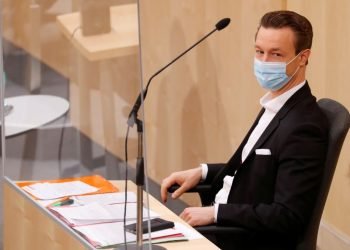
260,52
277,54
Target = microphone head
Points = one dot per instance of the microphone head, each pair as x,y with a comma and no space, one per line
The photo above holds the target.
222,24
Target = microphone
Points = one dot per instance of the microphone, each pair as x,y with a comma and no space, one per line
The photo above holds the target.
223,23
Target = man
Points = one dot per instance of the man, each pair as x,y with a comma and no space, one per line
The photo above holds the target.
269,185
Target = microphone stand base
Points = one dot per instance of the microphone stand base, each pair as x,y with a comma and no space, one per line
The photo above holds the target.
136,247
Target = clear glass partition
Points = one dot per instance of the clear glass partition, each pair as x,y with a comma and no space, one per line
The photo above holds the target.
71,76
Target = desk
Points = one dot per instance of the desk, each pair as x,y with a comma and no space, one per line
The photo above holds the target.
29,226
32,111
121,41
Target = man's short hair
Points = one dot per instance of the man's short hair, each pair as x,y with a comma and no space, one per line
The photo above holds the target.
299,24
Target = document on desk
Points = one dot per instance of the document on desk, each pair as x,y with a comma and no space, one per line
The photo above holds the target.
111,234
95,213
105,199
46,190
189,232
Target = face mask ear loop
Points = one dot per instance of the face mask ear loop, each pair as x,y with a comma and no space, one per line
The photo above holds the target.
294,73
294,58
290,78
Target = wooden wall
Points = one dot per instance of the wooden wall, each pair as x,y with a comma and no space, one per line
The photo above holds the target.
328,72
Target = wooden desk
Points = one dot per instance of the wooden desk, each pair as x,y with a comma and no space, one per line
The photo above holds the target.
27,225
121,41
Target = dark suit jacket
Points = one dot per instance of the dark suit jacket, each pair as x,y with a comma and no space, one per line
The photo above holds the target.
273,195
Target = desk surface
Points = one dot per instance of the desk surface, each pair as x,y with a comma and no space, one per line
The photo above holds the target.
22,215
121,41
32,111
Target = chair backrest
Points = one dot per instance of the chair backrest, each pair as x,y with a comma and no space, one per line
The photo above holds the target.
339,121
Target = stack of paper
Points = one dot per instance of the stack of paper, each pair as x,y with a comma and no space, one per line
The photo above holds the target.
47,190
95,213
111,234
102,224
52,189
105,199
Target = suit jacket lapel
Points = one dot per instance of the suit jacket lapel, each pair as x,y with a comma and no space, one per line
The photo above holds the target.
300,95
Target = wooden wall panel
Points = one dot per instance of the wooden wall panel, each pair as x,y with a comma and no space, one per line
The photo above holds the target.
328,76
30,25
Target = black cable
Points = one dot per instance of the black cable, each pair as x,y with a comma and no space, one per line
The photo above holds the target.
126,184
60,144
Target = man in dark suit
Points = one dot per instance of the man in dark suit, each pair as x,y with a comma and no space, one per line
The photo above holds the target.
269,185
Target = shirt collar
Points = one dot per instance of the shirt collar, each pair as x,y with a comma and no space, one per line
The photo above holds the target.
275,104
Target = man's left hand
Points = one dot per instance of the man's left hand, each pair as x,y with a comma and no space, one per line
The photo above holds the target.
198,216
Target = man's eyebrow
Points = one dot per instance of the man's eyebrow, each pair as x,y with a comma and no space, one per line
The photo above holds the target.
271,50
275,49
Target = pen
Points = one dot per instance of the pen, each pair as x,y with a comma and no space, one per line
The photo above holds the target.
63,203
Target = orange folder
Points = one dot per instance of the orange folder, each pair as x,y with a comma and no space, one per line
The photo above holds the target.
103,185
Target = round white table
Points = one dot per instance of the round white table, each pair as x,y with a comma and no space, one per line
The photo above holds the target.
32,111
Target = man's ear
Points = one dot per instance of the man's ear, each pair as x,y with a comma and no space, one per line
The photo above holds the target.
304,56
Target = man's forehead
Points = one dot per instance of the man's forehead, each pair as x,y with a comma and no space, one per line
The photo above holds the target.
275,39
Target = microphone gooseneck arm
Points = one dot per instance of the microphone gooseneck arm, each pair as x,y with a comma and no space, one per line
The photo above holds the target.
133,114
132,119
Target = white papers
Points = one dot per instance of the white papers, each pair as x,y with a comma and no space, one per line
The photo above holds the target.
97,213
113,234
45,191
189,233
105,234
105,199
99,219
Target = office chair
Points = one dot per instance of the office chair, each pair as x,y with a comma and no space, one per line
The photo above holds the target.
339,121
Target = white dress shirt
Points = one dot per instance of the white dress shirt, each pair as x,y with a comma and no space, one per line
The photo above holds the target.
271,106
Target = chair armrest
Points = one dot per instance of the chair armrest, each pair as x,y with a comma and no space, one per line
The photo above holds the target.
214,229
203,190
197,189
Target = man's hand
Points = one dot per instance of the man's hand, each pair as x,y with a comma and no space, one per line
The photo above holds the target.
186,179
198,216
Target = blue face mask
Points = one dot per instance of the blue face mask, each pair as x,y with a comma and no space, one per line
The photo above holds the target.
272,75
